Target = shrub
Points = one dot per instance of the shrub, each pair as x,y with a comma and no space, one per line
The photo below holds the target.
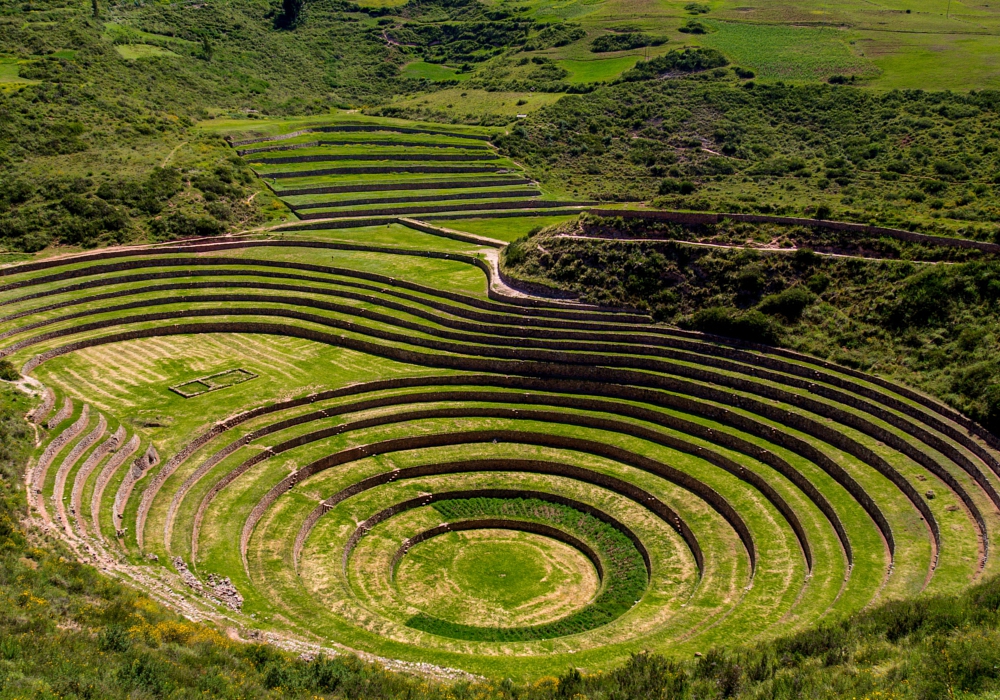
951,169
693,26
818,283
179,225
648,676
515,254
114,638
8,372
789,303
624,42
748,325
678,61
671,186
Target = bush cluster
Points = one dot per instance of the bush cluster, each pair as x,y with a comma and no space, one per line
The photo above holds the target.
624,41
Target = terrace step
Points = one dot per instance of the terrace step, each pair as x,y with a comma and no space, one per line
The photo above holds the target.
415,185
415,198
333,157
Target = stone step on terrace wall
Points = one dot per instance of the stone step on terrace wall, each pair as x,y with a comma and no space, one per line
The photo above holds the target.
114,463
138,470
68,463
41,469
89,465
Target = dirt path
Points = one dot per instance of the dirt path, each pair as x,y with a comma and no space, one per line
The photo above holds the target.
722,246
171,154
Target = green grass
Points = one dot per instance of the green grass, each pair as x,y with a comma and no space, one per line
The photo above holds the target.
789,53
500,571
9,73
505,229
598,69
452,103
432,71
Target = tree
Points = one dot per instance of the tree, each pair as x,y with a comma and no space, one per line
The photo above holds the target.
291,12
97,9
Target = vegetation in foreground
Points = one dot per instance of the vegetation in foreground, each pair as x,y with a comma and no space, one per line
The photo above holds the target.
66,631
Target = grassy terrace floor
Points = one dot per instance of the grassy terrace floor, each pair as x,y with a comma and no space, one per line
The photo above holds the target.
766,490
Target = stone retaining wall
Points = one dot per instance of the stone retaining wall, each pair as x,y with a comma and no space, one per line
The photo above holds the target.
104,477
41,412
37,481
383,169
69,462
360,157
430,209
62,414
395,186
814,428
341,142
138,470
356,128
686,481
503,194
95,458
527,306
548,371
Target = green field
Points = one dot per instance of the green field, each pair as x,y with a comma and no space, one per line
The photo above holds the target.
134,51
432,71
596,70
929,44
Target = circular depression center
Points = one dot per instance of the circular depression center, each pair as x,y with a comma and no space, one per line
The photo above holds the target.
497,578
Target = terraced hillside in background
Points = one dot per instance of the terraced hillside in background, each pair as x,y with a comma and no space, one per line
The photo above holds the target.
344,171
383,448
